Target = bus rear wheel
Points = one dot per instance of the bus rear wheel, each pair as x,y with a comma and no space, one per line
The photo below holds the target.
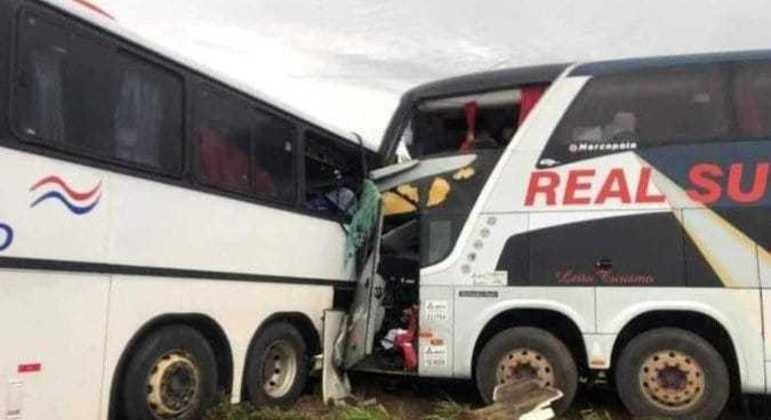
669,372
527,353
277,366
171,375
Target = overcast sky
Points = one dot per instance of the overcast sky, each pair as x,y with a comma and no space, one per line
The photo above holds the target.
348,61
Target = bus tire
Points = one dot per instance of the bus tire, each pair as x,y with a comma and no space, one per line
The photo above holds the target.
172,374
277,366
523,353
669,372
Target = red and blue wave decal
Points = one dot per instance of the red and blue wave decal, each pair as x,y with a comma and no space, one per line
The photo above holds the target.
77,202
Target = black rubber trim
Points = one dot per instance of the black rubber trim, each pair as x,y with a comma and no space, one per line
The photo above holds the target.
604,68
132,270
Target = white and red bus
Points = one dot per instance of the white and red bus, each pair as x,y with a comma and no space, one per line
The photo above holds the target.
603,221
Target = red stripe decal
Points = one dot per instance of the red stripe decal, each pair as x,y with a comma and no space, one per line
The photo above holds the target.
78,196
29,368
94,7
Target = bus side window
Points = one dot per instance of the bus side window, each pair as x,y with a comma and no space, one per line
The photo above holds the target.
223,142
332,175
39,97
642,110
77,92
751,92
274,162
148,115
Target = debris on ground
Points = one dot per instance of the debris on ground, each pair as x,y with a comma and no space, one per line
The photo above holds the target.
523,400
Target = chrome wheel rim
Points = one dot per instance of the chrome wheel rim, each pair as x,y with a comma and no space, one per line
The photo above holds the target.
172,385
672,380
279,369
522,364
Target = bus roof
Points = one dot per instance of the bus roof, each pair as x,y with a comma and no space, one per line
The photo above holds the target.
486,81
599,68
93,14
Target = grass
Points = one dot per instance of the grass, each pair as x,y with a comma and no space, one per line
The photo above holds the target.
445,410
227,411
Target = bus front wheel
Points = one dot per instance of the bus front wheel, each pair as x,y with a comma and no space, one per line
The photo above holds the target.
527,353
172,374
277,366
671,372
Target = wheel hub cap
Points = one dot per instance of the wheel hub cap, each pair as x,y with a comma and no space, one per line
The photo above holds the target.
172,386
279,369
672,379
522,364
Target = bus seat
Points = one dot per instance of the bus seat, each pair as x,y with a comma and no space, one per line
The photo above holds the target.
222,162
405,343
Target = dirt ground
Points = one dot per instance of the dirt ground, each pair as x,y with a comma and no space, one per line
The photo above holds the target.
413,398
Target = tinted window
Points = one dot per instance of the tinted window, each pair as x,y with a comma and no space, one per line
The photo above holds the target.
80,93
6,25
274,164
223,142
694,104
447,202
629,111
148,115
751,92
40,88
244,150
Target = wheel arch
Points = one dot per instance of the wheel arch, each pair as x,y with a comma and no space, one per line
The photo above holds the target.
300,321
205,325
698,322
564,327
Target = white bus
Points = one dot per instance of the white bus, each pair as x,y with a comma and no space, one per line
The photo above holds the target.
606,221
164,233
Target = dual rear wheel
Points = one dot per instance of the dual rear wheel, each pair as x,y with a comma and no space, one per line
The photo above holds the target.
674,373
173,373
527,353
666,372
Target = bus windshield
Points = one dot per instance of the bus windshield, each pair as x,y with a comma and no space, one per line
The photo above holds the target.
466,123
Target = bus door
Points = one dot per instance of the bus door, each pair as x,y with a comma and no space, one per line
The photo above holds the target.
366,300
367,313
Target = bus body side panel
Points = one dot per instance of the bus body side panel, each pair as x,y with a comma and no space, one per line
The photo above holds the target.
475,307
482,289
53,321
239,308
162,226
53,328
736,310
290,268
438,312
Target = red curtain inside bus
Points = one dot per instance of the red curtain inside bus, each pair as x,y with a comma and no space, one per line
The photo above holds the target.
530,96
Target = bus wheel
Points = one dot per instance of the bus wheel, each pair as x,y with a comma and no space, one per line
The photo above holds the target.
527,353
171,375
277,366
671,372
